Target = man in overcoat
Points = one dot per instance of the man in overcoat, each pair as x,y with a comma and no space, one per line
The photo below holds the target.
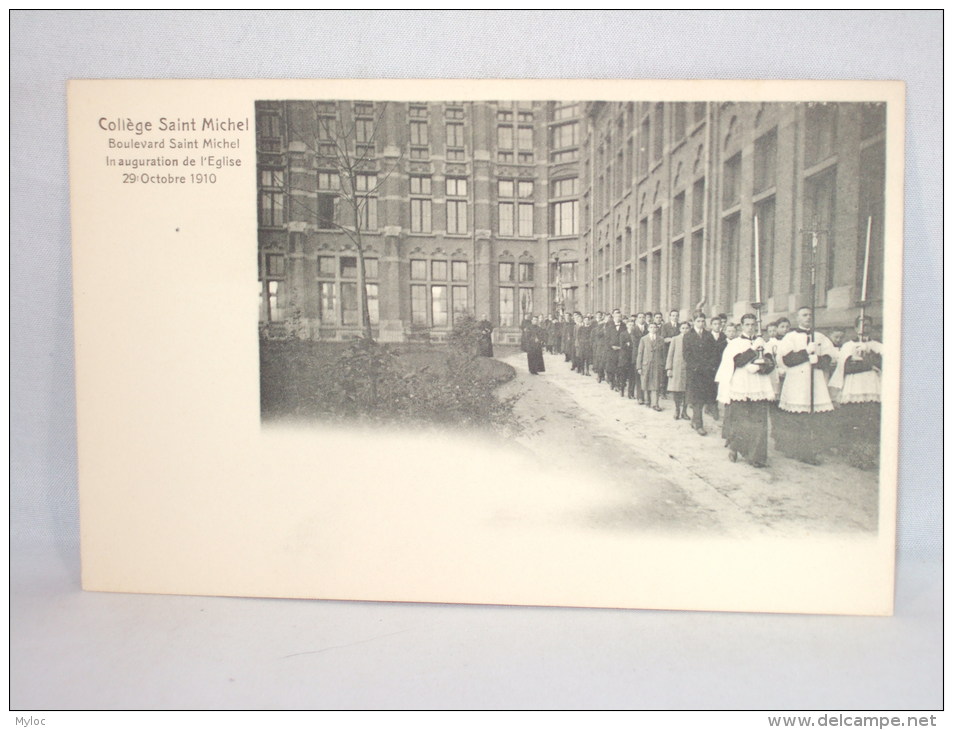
617,349
599,346
701,363
675,369
649,365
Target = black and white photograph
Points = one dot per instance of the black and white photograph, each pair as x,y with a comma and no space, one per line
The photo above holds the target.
699,287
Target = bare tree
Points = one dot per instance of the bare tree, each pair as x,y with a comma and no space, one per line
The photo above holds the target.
346,147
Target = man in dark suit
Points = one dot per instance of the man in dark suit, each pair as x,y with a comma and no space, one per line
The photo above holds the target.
617,350
701,363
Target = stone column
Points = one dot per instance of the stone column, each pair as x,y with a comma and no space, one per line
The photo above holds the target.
391,287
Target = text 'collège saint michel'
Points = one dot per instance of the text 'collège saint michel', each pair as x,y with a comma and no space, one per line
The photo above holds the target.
139,128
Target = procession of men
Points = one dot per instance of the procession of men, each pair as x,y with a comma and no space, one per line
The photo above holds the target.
790,383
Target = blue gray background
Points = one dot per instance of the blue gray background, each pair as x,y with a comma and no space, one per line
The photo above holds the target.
407,655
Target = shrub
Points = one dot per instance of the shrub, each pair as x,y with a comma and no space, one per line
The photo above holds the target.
370,382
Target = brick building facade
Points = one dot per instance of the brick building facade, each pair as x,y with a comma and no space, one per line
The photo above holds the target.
501,209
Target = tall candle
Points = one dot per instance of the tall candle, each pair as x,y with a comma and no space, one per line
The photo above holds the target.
863,287
757,263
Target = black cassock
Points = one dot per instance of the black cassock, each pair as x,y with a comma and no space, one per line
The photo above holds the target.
532,345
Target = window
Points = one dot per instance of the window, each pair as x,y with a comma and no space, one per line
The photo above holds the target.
765,161
454,134
524,117
644,132
698,202
348,267
524,158
678,214
269,132
363,130
524,137
731,238
272,178
458,270
526,302
526,219
873,119
439,308
456,209
270,286
643,234
566,273
526,272
658,140
417,110
565,135
418,269
565,187
657,228
506,225
269,311
419,153
328,302
326,265
679,121
504,116
699,110
566,112
418,304
365,108
456,216
421,215
563,156
326,208
820,198
820,134
564,218
506,306
373,303
619,170
506,271
731,192
438,270
455,155
329,181
698,240
675,295
764,211
337,299
457,186
365,183
459,303
515,218
504,137
349,305
272,208
367,205
326,125
454,113
420,185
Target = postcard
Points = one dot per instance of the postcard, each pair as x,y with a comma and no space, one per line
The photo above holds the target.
621,344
